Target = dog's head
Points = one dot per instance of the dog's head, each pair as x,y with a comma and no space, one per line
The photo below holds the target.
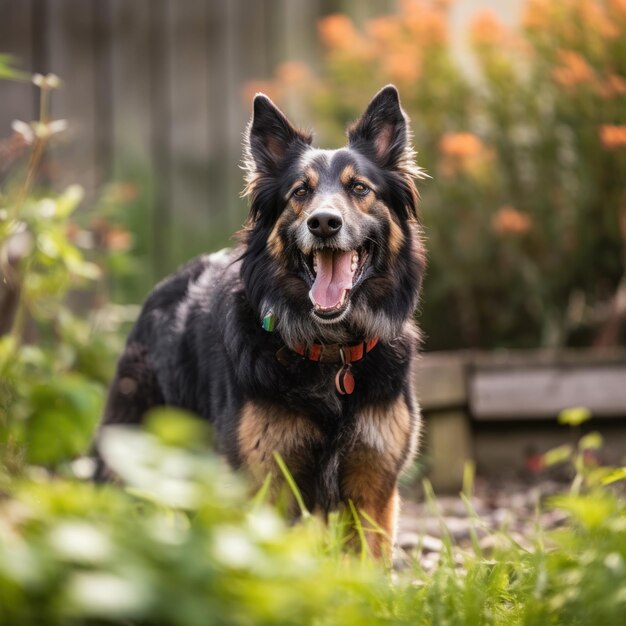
333,241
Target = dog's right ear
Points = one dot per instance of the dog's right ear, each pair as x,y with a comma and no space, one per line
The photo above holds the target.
382,131
270,137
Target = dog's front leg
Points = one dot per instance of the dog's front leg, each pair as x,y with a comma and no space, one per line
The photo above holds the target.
372,489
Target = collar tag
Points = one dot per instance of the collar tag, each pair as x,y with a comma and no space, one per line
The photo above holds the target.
344,380
269,322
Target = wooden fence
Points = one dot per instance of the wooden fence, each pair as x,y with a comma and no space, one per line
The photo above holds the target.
153,91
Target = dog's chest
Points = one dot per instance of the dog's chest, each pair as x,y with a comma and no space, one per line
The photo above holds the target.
322,460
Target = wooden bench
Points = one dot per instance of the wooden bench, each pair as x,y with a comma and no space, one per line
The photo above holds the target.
460,391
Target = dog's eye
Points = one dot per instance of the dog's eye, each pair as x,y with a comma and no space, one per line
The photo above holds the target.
301,191
360,189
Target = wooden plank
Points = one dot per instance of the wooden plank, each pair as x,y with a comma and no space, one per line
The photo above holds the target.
190,128
545,391
72,156
441,381
103,89
226,119
18,99
235,119
160,131
217,119
131,86
448,447
131,122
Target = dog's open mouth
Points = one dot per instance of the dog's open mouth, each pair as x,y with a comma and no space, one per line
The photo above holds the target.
334,274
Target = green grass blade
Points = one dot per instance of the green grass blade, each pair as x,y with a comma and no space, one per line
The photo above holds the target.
262,495
359,529
292,485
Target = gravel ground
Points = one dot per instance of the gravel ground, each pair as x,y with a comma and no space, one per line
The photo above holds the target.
514,507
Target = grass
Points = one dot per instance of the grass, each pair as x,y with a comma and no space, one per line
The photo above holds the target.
184,544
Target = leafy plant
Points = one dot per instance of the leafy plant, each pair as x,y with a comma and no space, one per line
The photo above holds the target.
184,544
525,220
53,363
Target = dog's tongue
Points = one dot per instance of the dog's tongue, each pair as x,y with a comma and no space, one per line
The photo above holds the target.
334,276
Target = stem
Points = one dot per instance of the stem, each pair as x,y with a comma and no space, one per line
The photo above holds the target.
37,153
34,161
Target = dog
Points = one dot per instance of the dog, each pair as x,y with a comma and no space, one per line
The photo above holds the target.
301,339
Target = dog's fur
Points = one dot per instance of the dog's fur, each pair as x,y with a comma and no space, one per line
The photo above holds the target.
199,343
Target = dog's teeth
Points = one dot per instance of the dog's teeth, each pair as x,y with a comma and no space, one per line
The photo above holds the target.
353,267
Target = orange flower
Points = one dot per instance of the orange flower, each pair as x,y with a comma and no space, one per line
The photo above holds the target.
293,73
618,6
488,30
338,32
384,29
411,7
429,26
596,20
509,221
460,145
110,236
613,86
463,153
122,192
404,67
252,87
574,69
537,14
613,137
72,230
418,7
118,239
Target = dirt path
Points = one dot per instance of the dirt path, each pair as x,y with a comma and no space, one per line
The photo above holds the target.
513,507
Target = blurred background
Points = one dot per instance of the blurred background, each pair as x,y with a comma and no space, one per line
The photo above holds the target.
518,109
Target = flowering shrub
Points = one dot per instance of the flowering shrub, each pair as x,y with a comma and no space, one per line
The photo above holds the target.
54,363
526,214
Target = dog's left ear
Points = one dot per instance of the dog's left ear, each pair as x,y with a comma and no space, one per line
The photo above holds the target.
381,133
271,136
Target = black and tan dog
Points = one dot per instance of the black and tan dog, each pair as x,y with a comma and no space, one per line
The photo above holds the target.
301,338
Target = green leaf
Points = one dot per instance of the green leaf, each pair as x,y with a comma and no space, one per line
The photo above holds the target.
614,476
591,441
84,269
69,200
175,427
592,511
11,73
7,351
560,454
64,415
574,416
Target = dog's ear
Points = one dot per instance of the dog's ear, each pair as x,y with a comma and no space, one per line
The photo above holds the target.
382,133
270,136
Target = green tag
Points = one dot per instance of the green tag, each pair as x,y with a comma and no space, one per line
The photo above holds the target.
269,322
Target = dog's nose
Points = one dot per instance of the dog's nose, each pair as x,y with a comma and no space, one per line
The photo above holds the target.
325,223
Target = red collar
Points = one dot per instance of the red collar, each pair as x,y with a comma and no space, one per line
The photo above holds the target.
335,352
